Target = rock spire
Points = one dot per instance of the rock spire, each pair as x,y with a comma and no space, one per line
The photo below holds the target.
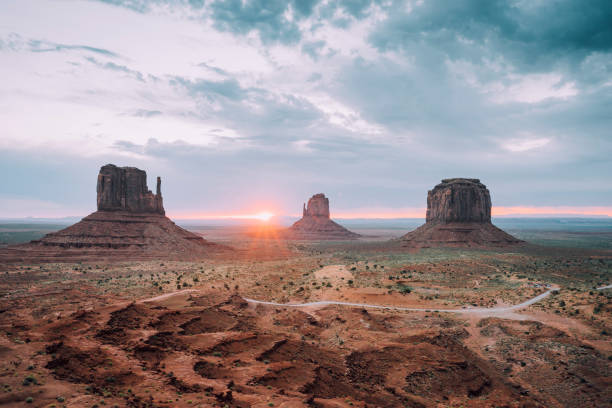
318,206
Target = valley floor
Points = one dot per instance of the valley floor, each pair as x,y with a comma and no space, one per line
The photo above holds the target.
524,327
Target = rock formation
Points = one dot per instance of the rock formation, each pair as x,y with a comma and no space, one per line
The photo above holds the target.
125,188
459,200
316,224
458,214
130,223
318,206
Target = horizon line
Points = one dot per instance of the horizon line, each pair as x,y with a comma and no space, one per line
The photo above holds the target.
406,213
501,211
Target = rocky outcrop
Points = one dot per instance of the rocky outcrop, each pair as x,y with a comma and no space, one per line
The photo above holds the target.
316,224
129,224
458,214
318,206
125,189
459,200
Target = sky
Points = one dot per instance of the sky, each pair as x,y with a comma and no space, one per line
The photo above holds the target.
250,106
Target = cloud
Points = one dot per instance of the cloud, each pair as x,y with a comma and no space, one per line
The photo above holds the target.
313,48
533,35
144,113
274,20
229,88
42,46
115,67
15,42
372,102
523,145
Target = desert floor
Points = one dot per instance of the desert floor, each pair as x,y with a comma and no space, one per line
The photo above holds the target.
171,333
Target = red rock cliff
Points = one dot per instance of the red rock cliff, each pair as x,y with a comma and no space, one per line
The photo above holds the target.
125,189
459,215
459,200
318,206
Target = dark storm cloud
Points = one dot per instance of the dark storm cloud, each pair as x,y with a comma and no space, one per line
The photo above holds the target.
267,17
270,20
275,21
534,35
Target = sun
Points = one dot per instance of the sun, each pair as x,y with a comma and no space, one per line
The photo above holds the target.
264,216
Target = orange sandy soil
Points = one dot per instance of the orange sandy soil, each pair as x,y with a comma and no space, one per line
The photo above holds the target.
84,334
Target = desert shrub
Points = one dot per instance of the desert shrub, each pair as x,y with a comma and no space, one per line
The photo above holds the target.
403,289
30,379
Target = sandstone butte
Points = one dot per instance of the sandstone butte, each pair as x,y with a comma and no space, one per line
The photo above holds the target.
316,224
130,223
459,215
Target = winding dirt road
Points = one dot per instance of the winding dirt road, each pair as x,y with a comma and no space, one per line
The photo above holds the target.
465,310
471,310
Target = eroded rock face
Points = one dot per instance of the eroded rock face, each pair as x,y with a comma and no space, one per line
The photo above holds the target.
130,224
459,215
459,200
318,206
316,224
125,189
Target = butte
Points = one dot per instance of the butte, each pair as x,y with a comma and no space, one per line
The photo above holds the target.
316,224
130,223
459,215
